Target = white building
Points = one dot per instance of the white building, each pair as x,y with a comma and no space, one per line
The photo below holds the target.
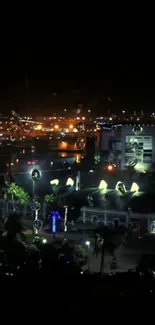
128,145
118,218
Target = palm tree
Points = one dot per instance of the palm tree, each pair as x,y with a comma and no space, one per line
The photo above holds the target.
18,192
23,198
49,198
12,191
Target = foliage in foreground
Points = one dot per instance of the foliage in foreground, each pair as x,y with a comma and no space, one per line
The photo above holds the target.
17,251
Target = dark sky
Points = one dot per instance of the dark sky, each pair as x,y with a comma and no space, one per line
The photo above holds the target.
98,56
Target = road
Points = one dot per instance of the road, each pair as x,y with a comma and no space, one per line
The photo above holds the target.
126,260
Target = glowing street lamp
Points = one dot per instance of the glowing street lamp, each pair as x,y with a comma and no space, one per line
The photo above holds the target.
54,182
35,176
120,187
88,246
88,243
134,187
70,182
103,185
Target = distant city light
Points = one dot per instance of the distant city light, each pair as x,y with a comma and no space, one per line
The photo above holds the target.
75,130
63,145
110,168
38,127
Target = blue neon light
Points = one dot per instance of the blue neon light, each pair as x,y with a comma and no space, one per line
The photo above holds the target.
54,216
54,224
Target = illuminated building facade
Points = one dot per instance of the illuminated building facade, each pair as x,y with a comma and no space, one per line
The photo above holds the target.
98,216
128,145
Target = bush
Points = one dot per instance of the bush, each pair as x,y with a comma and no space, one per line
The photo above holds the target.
78,253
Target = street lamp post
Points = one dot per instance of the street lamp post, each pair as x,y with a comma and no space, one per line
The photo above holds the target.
102,257
78,181
65,219
35,175
88,253
37,224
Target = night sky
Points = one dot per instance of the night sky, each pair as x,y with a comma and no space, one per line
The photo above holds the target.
84,66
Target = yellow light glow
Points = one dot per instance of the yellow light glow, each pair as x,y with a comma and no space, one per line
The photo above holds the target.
75,130
54,182
70,182
120,187
103,185
63,145
64,154
134,187
77,159
38,127
56,126
71,126
110,168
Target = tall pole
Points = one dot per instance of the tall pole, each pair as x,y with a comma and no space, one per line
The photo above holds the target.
65,219
102,258
35,175
88,254
36,218
78,181
33,189
33,211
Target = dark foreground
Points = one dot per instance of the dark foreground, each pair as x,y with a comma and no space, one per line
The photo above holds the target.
49,296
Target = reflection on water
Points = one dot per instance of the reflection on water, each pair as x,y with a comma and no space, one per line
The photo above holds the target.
68,154
66,145
61,153
55,149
